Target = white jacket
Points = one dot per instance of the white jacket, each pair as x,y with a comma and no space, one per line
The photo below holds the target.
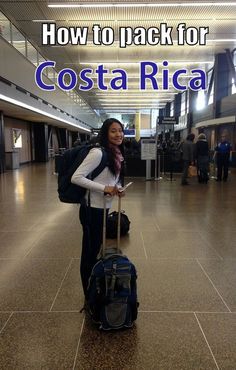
97,185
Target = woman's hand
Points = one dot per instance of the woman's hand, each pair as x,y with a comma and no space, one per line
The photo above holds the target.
110,190
121,193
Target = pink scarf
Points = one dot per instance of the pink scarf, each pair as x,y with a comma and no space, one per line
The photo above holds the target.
118,158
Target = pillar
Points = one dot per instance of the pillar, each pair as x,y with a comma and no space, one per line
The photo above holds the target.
2,144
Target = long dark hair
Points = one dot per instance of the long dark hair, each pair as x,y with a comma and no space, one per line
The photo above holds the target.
190,137
104,142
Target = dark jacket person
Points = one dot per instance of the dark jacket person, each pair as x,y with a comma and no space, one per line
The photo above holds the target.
222,153
202,157
188,150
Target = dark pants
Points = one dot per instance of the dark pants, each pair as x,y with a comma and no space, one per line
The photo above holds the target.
203,168
222,166
185,171
92,222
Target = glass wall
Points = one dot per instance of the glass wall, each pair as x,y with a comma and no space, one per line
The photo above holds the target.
187,101
183,104
209,76
201,100
154,116
233,89
18,40
32,54
5,27
12,35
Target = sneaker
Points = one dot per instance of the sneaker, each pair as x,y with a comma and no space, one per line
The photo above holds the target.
184,183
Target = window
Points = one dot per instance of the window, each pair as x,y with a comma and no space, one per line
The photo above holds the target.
183,104
201,100
32,54
41,60
233,90
210,101
12,35
211,96
154,117
18,41
17,138
51,74
5,27
187,101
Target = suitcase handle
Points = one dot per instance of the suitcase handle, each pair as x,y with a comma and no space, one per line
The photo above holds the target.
104,226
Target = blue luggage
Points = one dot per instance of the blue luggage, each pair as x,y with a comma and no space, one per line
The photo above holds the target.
112,289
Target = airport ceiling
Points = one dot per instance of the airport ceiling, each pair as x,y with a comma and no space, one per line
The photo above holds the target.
220,17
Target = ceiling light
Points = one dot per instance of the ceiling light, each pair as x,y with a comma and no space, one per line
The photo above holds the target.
73,5
223,3
138,5
180,62
40,111
96,5
130,99
221,40
129,5
107,63
125,104
127,94
130,77
91,44
133,93
43,20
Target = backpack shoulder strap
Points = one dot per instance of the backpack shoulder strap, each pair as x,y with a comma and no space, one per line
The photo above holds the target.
102,164
76,157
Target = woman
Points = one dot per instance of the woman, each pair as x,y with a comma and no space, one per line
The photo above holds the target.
188,155
202,156
106,183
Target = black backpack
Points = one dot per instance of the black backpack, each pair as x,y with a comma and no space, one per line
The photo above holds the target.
70,161
112,222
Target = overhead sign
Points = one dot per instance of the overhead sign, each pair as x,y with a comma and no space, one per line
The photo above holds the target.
168,120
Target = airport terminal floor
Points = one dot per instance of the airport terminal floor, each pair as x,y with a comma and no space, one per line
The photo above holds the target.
183,243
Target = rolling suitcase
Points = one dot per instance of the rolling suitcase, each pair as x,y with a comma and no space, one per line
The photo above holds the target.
112,289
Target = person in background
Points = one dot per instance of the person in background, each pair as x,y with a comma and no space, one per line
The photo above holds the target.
108,182
202,158
77,142
188,156
128,147
223,154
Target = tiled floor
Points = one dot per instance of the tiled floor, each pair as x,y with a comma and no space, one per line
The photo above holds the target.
183,243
